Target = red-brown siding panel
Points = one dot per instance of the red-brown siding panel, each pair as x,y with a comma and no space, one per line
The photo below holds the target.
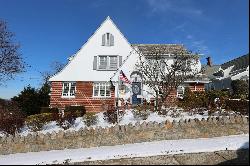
83,97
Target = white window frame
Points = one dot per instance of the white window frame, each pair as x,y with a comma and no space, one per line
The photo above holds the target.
68,94
107,85
182,94
108,62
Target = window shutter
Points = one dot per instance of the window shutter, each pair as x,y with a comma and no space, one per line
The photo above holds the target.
95,63
120,61
103,40
111,40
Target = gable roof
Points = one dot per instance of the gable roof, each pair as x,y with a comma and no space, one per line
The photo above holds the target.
166,48
82,52
210,70
240,63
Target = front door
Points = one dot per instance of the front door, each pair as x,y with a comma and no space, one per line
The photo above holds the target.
136,90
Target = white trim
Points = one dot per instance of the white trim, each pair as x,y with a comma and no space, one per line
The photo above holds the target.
99,96
70,83
205,82
182,94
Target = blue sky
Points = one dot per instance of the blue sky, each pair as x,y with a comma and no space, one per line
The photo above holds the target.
53,30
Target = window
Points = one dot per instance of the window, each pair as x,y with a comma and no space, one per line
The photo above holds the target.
101,90
108,62
180,92
113,62
103,62
69,89
107,39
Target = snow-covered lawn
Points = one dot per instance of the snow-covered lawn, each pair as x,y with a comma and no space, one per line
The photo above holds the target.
155,148
128,117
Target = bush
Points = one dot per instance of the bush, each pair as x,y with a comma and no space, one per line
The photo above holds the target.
142,107
140,114
241,106
49,110
240,89
193,100
90,118
78,110
11,118
28,101
66,120
196,100
36,122
111,115
221,94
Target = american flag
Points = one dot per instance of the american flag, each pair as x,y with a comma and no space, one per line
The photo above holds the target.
124,78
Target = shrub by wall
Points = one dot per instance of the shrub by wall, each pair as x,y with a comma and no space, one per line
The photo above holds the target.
78,110
36,122
49,110
110,115
11,121
241,106
67,119
90,118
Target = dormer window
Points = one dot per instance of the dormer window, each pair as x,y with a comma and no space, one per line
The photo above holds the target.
107,39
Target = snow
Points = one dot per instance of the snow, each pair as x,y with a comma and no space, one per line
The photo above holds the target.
155,117
165,147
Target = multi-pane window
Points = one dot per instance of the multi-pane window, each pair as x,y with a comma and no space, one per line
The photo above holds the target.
69,89
180,91
101,89
108,62
107,39
113,62
103,62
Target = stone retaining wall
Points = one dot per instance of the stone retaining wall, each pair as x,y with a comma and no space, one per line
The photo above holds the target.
145,132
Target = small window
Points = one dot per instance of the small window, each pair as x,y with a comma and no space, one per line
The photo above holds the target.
69,89
101,89
107,39
180,92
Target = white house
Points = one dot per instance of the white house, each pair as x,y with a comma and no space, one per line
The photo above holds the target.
235,69
85,80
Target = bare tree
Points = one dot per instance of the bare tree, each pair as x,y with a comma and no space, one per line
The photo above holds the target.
55,67
164,68
11,61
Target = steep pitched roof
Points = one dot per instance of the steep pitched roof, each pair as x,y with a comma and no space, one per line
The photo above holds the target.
167,48
240,63
210,70
86,56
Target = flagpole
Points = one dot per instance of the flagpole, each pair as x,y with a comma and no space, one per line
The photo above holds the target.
117,107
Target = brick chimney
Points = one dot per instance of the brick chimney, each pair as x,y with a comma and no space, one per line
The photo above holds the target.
209,61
